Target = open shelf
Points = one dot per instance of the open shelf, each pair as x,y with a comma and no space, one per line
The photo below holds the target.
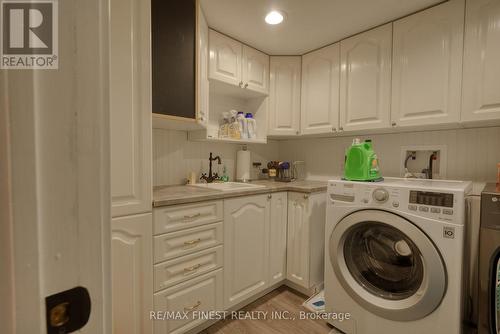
200,136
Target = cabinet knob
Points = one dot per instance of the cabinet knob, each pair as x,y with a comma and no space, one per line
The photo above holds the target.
306,196
296,132
241,84
269,196
341,129
334,129
394,123
246,85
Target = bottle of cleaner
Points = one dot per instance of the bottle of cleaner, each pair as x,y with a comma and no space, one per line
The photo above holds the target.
224,126
240,117
251,126
234,127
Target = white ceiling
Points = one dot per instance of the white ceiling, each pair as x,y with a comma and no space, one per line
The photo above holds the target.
308,25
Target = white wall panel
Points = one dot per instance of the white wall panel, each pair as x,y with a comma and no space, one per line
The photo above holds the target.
472,153
174,156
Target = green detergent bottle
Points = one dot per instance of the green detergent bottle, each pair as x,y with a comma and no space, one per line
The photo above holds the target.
361,162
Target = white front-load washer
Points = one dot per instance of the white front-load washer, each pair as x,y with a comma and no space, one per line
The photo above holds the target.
394,256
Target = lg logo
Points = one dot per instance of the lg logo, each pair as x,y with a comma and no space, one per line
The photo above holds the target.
29,34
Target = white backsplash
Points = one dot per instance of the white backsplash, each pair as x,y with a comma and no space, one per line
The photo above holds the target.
472,154
174,156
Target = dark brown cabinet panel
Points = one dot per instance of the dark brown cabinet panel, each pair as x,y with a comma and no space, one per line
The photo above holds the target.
173,30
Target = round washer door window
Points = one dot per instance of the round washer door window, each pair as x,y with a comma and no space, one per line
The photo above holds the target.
388,265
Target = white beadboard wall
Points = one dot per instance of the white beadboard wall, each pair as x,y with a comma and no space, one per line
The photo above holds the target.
174,156
473,154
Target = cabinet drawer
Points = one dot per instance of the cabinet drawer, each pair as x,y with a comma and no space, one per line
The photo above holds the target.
174,244
203,294
179,217
181,269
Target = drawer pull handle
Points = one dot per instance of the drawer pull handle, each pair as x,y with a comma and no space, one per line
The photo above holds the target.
192,216
191,308
192,269
192,242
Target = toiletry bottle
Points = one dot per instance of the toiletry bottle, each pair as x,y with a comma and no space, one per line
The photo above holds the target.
224,126
225,177
240,117
251,126
234,131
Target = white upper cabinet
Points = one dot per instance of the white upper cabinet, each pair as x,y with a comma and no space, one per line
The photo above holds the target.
130,104
365,80
320,90
238,65
427,66
481,79
284,97
225,58
255,73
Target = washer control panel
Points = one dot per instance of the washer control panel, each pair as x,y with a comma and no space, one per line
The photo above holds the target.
433,204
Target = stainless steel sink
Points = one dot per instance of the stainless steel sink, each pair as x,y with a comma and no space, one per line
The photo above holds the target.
228,186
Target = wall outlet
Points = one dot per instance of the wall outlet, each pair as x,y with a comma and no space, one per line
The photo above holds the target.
421,162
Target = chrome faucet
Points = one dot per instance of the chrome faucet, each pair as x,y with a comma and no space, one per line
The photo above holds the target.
211,176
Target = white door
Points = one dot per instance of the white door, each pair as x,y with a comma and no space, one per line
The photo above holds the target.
255,72
132,273
54,193
277,237
481,79
427,66
225,59
284,96
246,247
320,90
130,104
365,80
202,69
297,264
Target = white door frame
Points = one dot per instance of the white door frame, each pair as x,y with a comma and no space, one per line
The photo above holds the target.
54,173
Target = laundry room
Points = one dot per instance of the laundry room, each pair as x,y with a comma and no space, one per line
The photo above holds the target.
250,166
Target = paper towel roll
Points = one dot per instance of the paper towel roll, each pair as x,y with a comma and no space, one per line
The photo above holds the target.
243,165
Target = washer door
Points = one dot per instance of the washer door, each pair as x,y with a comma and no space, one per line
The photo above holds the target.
387,265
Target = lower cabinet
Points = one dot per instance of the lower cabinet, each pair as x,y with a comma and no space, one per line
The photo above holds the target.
246,247
277,237
201,294
132,273
305,239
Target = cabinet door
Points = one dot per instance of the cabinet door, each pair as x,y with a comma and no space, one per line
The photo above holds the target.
225,58
202,70
246,247
284,96
132,273
297,264
320,90
130,104
255,75
427,66
365,80
481,80
277,236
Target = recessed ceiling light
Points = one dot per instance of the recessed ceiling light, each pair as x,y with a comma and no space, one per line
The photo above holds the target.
274,17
